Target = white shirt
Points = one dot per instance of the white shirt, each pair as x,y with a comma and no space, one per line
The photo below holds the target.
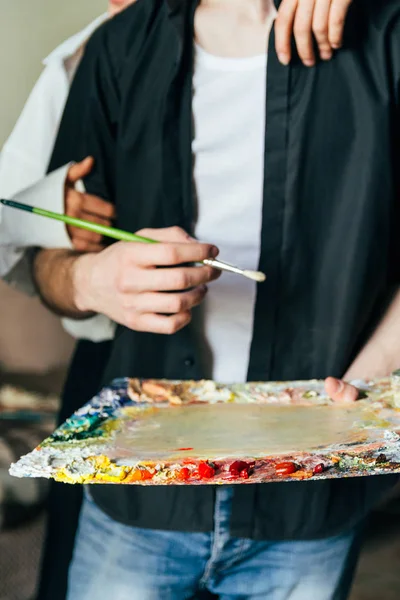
229,108
23,165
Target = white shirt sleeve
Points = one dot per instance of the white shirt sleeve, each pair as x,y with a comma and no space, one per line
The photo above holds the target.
23,165
96,329
26,153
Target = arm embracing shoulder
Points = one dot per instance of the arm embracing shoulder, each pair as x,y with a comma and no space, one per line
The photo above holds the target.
87,128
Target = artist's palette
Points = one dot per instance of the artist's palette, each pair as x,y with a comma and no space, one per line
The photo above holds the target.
159,432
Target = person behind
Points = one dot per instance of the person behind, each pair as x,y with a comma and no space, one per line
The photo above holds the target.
23,165
27,151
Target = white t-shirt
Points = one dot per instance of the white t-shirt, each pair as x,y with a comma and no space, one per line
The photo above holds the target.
229,107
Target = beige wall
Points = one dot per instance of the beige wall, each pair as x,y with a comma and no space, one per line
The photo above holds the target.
30,338
29,30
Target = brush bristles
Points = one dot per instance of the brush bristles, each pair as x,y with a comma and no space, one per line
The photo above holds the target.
255,276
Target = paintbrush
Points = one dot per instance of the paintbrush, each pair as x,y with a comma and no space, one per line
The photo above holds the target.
125,236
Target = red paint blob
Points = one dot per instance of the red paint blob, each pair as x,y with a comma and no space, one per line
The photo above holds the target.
184,449
184,474
206,471
285,468
319,469
240,468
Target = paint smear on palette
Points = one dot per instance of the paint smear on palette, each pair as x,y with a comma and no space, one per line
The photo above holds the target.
263,430
186,433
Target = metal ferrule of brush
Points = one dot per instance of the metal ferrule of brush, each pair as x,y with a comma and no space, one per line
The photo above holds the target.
221,266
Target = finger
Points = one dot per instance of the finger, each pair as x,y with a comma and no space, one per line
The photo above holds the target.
73,202
80,170
97,206
167,234
150,255
337,19
320,28
82,234
340,391
303,31
165,280
166,325
95,219
283,30
169,304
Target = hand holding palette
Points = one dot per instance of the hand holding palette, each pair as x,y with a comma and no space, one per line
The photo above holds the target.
152,432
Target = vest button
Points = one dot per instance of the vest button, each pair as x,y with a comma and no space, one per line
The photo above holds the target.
189,362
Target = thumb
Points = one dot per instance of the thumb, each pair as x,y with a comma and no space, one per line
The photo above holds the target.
340,391
80,170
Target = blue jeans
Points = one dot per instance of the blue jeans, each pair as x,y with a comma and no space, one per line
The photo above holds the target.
118,562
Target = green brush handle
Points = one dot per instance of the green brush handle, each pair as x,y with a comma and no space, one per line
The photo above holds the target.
124,236
111,232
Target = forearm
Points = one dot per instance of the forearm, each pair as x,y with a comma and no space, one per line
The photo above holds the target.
57,276
381,355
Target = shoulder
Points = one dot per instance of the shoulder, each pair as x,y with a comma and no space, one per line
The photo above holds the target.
374,26
381,15
130,31
384,12
385,22
70,47
43,108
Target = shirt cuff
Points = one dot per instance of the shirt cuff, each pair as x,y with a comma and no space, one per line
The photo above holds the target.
23,229
96,329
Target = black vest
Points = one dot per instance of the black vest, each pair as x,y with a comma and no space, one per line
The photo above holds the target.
326,285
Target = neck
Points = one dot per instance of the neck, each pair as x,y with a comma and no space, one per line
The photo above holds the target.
234,28
256,10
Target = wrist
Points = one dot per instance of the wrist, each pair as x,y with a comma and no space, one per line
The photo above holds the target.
82,269
377,359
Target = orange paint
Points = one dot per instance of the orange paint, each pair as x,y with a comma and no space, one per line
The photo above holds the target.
139,475
285,468
301,475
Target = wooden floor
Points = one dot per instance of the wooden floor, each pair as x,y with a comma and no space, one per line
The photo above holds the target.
378,575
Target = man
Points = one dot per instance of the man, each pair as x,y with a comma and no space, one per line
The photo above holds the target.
294,203
25,155
23,163
24,160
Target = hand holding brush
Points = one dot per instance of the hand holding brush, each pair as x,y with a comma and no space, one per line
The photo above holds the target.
126,236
